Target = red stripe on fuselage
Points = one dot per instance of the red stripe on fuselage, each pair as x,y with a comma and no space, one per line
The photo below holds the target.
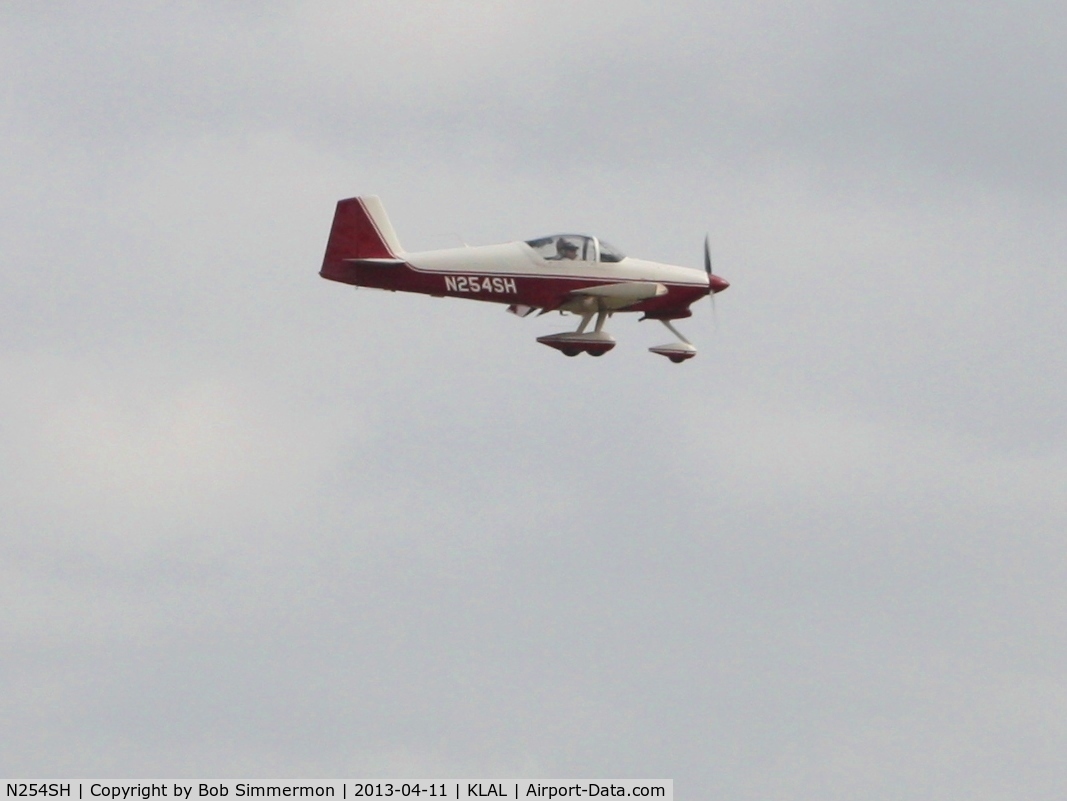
540,291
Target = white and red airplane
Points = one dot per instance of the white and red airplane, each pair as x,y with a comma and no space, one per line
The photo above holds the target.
565,272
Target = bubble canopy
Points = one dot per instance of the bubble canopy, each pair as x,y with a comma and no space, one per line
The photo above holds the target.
575,247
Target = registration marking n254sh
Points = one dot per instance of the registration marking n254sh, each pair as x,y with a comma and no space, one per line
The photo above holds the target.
477,283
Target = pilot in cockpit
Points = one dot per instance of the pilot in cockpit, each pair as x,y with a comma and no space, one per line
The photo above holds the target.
566,249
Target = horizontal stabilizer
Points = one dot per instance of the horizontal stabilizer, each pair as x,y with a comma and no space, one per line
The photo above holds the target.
375,262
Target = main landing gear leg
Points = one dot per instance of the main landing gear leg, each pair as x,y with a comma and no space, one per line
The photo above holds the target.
600,318
595,343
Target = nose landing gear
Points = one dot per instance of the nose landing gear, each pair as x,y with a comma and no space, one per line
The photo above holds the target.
677,352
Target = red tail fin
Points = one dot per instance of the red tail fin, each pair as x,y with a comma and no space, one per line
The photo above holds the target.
361,230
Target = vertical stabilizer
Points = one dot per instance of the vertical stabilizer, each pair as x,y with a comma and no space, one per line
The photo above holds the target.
361,230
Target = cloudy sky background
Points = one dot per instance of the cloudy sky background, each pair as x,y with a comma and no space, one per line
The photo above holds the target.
257,525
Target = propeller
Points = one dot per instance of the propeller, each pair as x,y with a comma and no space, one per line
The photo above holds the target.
711,291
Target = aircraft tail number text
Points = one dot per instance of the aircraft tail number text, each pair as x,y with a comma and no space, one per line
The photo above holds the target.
479,283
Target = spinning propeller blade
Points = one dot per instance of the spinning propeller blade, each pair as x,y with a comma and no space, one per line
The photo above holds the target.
711,293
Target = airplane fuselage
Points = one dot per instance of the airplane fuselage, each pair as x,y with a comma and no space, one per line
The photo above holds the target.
514,274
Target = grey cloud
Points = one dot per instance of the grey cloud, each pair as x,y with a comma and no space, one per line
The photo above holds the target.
968,93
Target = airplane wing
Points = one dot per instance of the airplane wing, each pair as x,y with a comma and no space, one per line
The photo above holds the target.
611,297
621,295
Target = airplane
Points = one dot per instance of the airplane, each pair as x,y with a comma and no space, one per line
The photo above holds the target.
571,273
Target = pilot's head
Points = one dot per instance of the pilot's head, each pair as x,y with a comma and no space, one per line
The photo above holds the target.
566,249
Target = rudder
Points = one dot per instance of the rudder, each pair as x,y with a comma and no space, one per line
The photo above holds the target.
361,230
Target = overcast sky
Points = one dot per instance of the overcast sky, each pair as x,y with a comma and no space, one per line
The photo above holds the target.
254,524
